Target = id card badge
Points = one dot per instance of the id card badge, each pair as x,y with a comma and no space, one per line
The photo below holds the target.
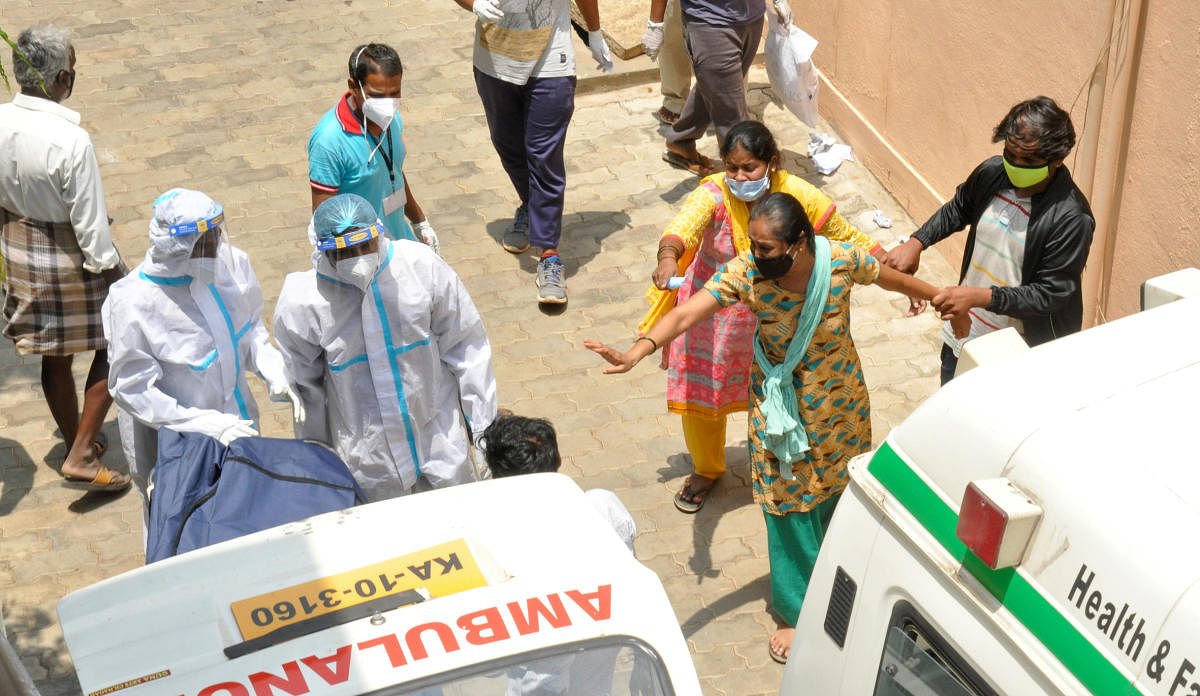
394,202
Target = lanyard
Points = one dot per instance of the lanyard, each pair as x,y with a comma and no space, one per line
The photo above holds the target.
387,154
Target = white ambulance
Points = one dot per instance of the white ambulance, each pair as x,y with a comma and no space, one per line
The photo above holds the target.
1029,529
510,586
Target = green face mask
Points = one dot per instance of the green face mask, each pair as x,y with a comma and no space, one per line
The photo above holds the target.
1024,177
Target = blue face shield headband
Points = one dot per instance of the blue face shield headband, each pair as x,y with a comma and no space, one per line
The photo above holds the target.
351,239
199,226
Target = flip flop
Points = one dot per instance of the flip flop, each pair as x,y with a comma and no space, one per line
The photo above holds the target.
781,658
698,165
105,480
685,498
666,117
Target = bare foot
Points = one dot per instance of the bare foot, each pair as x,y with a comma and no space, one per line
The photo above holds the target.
781,643
85,467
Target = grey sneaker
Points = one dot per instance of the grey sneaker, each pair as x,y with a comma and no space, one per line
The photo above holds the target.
551,288
516,237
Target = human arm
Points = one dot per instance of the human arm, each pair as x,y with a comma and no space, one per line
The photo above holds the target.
595,38
684,232
590,9
135,374
658,10
420,224
462,344
699,307
319,196
953,216
303,360
822,212
783,11
652,38
83,194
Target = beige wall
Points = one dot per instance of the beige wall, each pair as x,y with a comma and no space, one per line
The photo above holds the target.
916,88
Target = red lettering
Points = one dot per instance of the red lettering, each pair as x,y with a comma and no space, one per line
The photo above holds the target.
390,643
293,683
417,648
528,622
603,598
230,689
321,666
488,621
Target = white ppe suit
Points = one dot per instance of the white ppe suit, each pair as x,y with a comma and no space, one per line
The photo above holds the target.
180,345
387,376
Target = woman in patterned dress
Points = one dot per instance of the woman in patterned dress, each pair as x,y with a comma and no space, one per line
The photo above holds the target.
809,404
709,367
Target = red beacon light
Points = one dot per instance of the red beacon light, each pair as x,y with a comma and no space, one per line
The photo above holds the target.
997,521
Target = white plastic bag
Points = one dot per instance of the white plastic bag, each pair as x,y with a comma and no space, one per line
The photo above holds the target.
791,71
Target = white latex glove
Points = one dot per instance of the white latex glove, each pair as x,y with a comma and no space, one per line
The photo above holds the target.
652,40
599,48
242,428
427,235
487,11
289,394
784,11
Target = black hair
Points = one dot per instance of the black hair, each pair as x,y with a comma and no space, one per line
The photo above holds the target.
1039,119
787,219
753,137
519,445
374,58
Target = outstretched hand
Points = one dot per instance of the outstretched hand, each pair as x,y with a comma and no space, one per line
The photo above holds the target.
621,362
916,306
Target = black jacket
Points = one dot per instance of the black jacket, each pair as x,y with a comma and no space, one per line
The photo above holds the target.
1048,301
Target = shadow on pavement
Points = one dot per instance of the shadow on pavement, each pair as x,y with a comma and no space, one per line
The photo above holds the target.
758,590
730,492
16,477
27,628
595,225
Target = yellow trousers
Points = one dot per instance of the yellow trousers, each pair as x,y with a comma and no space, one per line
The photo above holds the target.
705,440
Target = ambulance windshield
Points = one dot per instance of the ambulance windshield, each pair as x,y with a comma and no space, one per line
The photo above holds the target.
617,665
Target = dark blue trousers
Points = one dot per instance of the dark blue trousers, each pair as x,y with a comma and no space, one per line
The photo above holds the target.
528,124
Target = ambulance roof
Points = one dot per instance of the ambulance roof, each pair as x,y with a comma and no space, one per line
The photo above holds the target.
502,550
1097,428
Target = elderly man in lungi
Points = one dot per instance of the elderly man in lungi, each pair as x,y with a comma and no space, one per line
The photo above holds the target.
56,244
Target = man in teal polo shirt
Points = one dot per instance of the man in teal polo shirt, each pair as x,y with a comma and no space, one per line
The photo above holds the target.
342,158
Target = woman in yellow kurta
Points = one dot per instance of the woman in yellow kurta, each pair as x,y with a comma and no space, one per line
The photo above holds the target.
709,367
809,411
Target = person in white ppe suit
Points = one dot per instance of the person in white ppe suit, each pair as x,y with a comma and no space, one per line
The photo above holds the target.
183,329
388,354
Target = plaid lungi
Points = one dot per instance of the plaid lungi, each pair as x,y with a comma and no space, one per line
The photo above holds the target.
51,304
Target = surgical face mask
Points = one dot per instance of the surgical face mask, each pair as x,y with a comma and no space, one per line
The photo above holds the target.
751,190
1024,177
772,267
379,110
358,270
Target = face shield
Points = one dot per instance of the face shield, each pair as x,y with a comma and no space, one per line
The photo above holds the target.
354,255
349,240
187,235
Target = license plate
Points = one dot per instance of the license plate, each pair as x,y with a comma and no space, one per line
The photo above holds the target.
441,570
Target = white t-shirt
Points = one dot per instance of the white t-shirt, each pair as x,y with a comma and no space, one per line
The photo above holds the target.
995,261
533,39
50,174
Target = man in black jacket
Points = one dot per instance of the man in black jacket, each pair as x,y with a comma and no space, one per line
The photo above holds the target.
1030,232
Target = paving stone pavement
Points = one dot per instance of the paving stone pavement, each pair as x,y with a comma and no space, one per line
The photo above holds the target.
222,96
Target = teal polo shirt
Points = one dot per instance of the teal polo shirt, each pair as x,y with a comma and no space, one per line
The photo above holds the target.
337,163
